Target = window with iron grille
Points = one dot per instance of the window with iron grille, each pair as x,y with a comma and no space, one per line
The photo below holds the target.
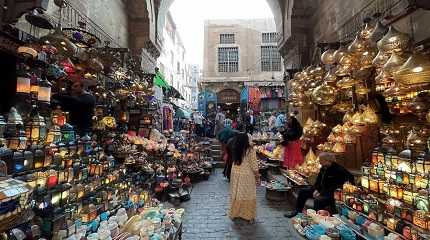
271,37
228,59
270,59
226,38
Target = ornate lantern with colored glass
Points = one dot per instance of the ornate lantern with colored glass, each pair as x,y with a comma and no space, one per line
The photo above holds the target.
28,162
36,129
39,158
18,162
44,91
58,117
54,135
14,123
67,133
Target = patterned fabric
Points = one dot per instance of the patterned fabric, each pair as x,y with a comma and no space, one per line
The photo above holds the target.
243,195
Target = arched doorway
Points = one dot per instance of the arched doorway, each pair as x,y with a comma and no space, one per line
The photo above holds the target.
229,102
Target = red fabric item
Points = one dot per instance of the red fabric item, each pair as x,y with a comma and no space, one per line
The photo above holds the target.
293,154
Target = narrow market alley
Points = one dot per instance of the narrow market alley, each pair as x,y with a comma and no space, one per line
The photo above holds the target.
206,215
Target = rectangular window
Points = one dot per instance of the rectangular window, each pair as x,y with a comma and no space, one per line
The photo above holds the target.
228,59
271,37
270,59
226,38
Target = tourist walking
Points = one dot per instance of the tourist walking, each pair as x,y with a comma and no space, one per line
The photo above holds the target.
291,141
243,180
250,122
219,121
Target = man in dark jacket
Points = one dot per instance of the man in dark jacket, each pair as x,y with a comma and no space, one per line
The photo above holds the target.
331,177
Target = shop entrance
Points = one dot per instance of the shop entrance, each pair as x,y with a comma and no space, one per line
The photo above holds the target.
229,102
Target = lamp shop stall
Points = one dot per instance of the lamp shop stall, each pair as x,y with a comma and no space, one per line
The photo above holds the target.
59,182
371,102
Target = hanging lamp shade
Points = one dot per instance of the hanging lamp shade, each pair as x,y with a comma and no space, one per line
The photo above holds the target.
330,78
324,95
346,82
378,32
328,57
343,70
317,72
346,60
383,78
358,46
380,59
60,41
39,20
394,90
394,41
339,53
394,63
366,59
415,71
367,31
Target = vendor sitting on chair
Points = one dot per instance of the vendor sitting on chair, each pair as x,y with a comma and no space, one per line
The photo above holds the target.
331,177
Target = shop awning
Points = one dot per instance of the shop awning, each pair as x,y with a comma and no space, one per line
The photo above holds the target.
174,93
159,81
182,113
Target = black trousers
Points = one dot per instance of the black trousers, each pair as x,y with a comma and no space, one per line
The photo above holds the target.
320,202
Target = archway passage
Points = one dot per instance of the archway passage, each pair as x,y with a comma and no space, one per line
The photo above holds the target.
229,102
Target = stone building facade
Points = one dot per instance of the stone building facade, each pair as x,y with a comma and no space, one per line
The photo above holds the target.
172,63
239,53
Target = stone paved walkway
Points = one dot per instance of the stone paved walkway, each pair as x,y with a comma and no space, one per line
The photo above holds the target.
206,218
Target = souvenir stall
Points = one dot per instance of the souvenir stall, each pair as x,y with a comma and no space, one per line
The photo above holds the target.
63,179
379,86
167,113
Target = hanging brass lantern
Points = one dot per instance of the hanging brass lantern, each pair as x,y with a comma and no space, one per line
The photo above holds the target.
357,119
328,57
339,53
380,59
342,71
415,71
346,60
378,32
366,59
324,95
317,72
339,148
330,78
60,41
367,31
370,116
383,78
394,41
347,117
346,82
395,89
358,46
394,63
